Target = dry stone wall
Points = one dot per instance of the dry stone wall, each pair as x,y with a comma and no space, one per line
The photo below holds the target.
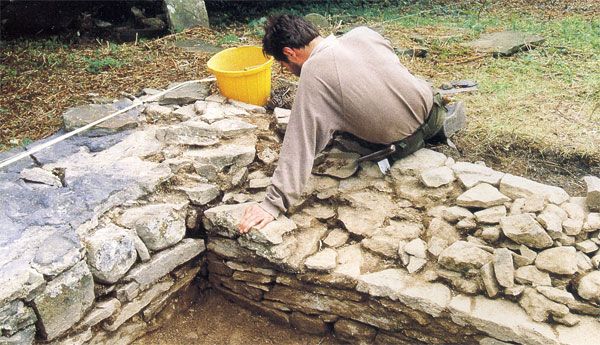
106,229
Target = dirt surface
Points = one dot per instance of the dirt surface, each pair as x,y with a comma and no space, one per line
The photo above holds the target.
215,320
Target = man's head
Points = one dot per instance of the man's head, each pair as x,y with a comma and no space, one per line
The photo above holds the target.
287,38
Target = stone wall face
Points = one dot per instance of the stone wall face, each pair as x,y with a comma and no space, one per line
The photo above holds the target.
97,237
106,229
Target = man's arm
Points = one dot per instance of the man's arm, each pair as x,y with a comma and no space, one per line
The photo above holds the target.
311,125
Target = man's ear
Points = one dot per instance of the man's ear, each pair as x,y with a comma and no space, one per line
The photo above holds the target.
289,52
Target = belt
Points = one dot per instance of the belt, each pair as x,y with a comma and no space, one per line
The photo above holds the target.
404,147
432,124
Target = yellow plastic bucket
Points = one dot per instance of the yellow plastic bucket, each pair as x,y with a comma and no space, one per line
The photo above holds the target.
243,74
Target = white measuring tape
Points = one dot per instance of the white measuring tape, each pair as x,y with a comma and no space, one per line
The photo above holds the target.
92,124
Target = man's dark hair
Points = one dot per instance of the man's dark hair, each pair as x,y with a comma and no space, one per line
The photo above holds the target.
287,31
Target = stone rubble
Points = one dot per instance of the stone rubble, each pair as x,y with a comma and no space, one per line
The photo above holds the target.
414,256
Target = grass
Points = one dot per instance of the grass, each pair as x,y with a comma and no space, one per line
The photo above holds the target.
228,39
546,100
98,65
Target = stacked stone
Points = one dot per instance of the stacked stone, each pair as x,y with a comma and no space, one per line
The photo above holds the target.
391,238
402,258
525,241
102,269
280,272
205,145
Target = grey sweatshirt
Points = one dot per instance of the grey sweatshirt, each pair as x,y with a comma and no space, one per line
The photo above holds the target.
353,84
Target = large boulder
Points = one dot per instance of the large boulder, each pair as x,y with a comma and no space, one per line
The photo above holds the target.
589,286
159,225
463,256
524,229
559,260
111,252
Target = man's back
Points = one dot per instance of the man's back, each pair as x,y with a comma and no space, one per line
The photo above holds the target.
379,100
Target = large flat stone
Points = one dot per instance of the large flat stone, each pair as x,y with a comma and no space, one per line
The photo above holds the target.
437,177
185,94
541,308
324,260
505,42
292,251
353,261
531,275
272,233
164,262
471,174
232,155
201,193
418,162
520,187
39,175
360,221
367,211
193,133
224,219
500,319
230,128
58,252
82,115
65,301
482,195
431,298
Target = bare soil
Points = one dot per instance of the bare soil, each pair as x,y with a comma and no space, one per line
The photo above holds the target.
215,320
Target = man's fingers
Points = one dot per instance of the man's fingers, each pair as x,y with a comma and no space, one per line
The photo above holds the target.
254,216
249,222
244,222
263,222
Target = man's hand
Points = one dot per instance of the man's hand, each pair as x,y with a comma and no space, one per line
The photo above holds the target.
254,216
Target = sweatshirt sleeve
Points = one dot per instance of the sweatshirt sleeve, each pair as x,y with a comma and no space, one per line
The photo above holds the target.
311,125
